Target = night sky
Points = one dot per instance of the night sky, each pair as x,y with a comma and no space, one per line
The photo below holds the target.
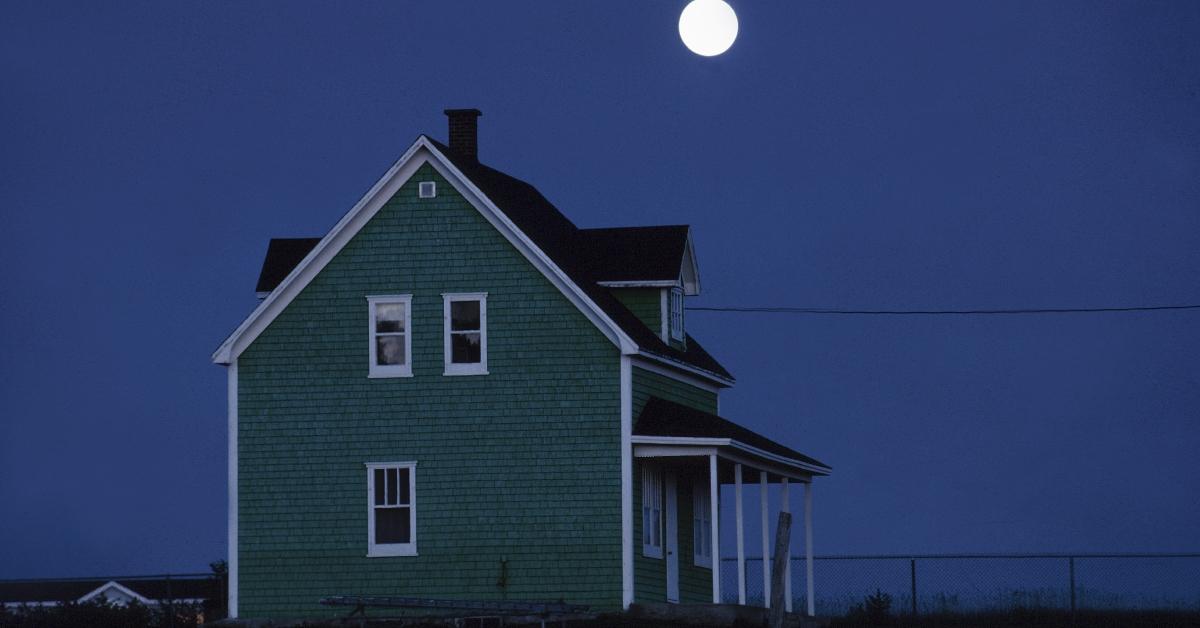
887,155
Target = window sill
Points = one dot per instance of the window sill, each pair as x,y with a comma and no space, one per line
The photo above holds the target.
388,375
652,554
458,373
385,551
702,563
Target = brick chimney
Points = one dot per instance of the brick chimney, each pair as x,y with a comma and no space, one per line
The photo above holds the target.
464,132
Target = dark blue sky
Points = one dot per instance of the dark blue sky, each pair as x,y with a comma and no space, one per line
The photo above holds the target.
842,154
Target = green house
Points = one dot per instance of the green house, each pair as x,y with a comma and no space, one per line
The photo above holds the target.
456,393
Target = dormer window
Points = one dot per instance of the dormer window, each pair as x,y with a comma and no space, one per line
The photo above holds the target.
675,314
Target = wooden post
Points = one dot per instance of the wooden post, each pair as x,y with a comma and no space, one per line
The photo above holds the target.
763,495
714,495
787,565
779,569
808,549
741,549
912,567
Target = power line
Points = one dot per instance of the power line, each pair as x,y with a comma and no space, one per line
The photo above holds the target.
974,312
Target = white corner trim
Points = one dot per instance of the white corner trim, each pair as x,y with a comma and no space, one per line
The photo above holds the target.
626,482
641,362
664,305
422,151
117,586
232,527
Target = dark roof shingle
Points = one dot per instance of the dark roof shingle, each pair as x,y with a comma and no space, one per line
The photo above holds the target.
634,253
283,254
660,417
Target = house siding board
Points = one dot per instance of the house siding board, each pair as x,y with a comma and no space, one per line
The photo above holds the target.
521,464
695,583
645,303
647,384
650,584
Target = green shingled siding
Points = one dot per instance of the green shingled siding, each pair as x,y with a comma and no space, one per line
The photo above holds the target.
521,464
645,303
650,579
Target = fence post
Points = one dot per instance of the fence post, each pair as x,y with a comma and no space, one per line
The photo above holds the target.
912,570
1071,571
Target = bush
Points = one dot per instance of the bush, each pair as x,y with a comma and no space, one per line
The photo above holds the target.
874,610
101,614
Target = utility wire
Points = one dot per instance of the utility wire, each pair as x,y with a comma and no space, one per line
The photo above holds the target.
1047,310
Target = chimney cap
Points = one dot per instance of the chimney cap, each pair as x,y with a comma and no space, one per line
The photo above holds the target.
461,112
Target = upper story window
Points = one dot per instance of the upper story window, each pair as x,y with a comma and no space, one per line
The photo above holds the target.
652,512
701,525
427,189
391,342
392,509
676,314
465,323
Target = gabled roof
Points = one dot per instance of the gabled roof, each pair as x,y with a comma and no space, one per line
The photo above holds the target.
660,417
516,202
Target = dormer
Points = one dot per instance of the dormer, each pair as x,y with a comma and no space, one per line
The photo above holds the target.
651,270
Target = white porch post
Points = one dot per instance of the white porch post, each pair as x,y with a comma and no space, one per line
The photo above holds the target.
787,563
808,547
714,494
741,550
763,495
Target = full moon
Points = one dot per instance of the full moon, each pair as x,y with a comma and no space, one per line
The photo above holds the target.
708,27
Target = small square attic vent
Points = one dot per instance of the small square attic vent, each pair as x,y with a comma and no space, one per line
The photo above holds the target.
427,189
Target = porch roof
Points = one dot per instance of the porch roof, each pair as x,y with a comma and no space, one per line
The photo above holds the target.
667,423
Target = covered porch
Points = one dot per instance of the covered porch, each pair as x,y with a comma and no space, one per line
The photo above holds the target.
682,451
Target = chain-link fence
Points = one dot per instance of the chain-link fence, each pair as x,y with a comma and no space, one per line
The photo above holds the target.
934,583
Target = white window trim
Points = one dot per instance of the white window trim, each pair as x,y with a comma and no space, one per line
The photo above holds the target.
652,495
676,313
376,370
701,512
427,189
376,550
452,368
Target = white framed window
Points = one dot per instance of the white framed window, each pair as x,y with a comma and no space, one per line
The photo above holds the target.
701,525
652,512
391,509
390,337
427,189
465,330
676,314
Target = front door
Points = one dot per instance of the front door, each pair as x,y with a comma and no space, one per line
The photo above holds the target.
672,538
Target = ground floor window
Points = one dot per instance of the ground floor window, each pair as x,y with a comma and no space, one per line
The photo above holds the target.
392,509
652,509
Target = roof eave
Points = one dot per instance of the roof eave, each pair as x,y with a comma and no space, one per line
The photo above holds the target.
688,368
692,441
